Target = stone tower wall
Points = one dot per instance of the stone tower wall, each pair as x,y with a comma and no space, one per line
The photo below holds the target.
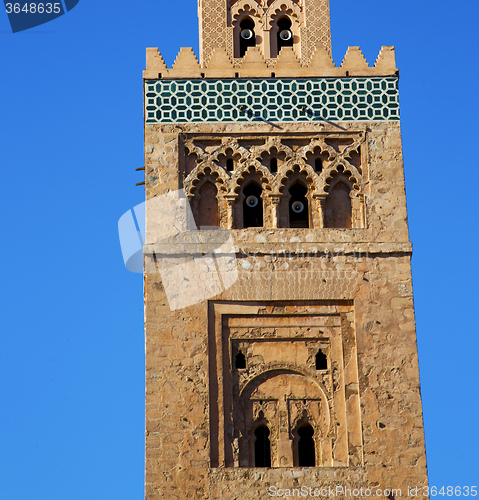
350,288
236,316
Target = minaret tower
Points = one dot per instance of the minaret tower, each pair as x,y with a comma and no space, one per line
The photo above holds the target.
281,349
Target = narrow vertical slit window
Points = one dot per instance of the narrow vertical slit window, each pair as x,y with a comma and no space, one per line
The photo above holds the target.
273,165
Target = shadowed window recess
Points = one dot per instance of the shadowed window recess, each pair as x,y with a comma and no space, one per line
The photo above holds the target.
321,361
284,35
247,37
240,361
306,448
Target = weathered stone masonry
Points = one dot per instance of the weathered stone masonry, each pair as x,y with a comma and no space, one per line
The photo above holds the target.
318,333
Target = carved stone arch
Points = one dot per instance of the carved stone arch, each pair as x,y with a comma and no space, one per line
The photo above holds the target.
245,170
348,172
301,418
280,8
343,213
286,368
240,13
324,148
276,143
276,370
206,170
293,173
244,8
237,151
286,171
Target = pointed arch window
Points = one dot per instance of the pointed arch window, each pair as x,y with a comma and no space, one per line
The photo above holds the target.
284,36
338,209
247,37
207,206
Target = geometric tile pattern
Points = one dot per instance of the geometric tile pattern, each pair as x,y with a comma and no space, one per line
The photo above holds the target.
272,100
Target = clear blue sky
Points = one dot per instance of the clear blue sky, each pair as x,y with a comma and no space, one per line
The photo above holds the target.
71,136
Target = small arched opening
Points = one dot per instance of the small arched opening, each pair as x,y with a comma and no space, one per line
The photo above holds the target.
262,447
338,207
247,37
284,36
252,206
230,165
240,361
321,361
318,165
306,448
298,206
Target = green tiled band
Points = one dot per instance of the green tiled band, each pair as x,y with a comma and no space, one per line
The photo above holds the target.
272,100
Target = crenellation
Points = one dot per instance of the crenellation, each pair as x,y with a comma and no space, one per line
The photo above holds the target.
221,65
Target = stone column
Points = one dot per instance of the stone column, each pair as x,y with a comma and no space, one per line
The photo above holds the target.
230,199
319,203
274,207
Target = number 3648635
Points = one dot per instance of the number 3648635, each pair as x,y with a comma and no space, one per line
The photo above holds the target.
33,8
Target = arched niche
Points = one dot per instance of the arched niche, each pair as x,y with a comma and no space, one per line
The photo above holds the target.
278,392
338,208
207,213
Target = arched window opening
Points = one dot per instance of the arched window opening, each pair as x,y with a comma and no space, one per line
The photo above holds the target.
247,37
207,206
262,447
298,206
338,207
306,449
252,206
321,361
318,165
273,165
285,35
230,165
240,361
